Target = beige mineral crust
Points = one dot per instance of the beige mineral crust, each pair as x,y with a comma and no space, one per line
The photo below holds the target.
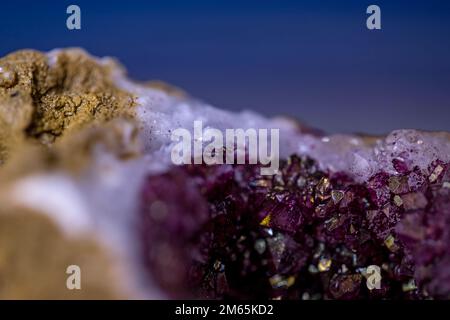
35,253
42,99
56,113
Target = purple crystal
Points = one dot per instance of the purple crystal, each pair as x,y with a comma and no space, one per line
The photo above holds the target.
400,165
173,213
228,232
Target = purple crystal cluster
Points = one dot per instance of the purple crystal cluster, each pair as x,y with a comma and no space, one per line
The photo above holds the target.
228,232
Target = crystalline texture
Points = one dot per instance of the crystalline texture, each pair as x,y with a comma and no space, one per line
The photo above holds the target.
308,233
340,204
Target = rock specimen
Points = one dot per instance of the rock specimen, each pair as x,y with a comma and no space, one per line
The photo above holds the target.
86,172
302,234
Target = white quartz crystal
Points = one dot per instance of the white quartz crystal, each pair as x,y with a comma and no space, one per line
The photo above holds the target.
160,114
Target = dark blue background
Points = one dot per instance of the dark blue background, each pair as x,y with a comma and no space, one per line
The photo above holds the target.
314,60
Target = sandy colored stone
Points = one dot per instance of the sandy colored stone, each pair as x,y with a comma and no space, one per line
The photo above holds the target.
57,115
72,154
35,254
43,101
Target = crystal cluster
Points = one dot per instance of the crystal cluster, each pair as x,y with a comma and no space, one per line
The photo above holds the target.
227,232
101,173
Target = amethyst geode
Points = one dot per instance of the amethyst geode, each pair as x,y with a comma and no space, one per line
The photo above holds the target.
227,232
101,144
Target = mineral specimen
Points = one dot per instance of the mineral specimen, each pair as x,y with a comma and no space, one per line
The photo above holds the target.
86,166
278,238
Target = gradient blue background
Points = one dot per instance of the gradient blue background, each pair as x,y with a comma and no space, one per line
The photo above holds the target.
313,60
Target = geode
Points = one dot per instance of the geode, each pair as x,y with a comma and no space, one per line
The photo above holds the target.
86,178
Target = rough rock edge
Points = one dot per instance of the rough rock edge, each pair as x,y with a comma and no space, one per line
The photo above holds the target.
43,99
